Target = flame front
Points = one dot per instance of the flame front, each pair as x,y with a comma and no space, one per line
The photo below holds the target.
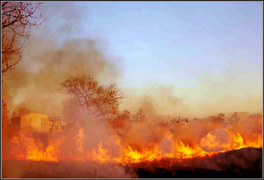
25,147
31,150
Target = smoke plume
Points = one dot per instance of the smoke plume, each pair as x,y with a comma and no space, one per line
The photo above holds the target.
50,56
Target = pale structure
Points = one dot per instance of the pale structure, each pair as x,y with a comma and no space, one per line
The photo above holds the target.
34,122
57,125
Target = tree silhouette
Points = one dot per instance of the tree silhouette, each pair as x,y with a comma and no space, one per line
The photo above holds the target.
93,100
17,18
140,116
220,118
234,118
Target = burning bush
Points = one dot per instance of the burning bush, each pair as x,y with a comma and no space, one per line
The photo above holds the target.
221,140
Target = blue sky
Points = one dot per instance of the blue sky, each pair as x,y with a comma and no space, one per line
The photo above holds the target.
202,52
175,42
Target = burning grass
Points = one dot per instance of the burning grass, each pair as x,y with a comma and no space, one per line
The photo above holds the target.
127,149
25,147
228,164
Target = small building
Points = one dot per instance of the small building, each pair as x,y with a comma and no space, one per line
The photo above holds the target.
34,122
57,125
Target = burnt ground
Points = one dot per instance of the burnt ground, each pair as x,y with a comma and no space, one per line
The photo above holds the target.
245,163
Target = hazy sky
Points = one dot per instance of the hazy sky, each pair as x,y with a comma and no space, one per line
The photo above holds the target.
200,50
182,43
175,42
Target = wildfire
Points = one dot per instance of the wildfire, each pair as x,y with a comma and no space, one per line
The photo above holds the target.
79,139
255,141
222,140
100,154
32,149
181,151
25,147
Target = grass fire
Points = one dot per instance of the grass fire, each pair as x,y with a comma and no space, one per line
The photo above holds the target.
120,147
72,109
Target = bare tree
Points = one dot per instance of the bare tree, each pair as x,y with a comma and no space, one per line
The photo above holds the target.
125,115
140,116
233,119
17,18
95,101
221,117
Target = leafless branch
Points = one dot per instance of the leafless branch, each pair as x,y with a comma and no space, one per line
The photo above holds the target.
17,18
97,100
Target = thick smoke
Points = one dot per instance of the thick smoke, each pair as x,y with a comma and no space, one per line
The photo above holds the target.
155,100
49,56
54,51
57,48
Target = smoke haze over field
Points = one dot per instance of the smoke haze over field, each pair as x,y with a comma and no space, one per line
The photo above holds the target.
178,66
35,82
69,45
162,100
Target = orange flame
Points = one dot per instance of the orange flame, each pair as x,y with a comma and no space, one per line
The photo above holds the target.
33,150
